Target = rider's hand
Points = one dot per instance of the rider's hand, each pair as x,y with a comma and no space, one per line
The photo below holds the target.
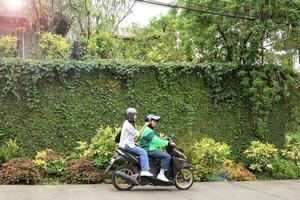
173,144
147,124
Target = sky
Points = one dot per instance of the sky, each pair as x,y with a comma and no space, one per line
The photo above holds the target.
142,13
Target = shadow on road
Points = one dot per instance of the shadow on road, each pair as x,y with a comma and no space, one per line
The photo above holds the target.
148,189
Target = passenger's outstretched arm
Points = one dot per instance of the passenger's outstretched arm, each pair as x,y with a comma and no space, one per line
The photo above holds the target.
135,132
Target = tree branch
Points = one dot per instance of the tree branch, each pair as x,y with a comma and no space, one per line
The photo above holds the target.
125,15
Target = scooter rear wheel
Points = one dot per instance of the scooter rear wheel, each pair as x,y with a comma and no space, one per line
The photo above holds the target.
121,184
184,179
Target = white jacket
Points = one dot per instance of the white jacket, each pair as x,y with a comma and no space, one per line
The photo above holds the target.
128,133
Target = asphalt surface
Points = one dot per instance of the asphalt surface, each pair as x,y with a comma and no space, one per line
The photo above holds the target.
261,190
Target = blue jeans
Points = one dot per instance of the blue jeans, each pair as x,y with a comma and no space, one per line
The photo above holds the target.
142,154
165,158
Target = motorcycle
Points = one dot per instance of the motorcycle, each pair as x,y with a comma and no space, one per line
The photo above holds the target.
127,176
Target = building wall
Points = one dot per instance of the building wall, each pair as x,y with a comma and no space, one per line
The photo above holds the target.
11,29
7,29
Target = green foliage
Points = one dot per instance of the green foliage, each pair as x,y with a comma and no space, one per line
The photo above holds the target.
80,48
293,123
158,53
209,38
265,86
19,171
262,86
293,138
292,152
81,151
83,171
87,16
103,145
8,46
284,169
102,45
261,155
227,39
53,104
208,158
158,42
53,46
216,75
9,150
50,163
100,149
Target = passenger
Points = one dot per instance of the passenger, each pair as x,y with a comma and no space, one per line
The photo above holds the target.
128,133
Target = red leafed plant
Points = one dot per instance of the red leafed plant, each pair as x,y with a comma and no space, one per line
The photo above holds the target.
237,172
83,171
19,171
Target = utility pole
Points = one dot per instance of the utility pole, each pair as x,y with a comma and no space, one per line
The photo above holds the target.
23,45
52,8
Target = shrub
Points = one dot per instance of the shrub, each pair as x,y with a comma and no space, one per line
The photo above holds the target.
102,45
54,46
100,149
159,53
208,157
298,169
238,172
9,150
83,171
81,151
19,171
283,169
261,155
79,49
293,137
292,152
103,145
50,163
8,46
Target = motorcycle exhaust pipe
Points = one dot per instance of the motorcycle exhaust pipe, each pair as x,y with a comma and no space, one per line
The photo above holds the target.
128,178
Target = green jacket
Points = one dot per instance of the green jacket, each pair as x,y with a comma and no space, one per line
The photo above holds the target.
150,142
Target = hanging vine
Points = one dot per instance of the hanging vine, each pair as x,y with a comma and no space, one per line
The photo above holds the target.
260,86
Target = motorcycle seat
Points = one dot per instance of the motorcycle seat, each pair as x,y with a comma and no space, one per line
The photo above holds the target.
137,156
130,153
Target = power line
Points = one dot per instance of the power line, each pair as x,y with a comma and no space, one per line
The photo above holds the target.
210,7
176,6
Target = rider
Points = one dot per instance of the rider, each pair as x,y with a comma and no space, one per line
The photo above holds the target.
151,143
128,133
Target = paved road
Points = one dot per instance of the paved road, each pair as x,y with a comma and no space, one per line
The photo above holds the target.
261,190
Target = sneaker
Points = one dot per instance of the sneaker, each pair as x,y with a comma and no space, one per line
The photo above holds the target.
162,177
146,173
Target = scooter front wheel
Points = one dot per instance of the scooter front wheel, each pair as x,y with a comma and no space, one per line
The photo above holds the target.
121,184
184,179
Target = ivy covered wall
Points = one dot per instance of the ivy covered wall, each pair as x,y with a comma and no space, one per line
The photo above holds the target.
53,104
